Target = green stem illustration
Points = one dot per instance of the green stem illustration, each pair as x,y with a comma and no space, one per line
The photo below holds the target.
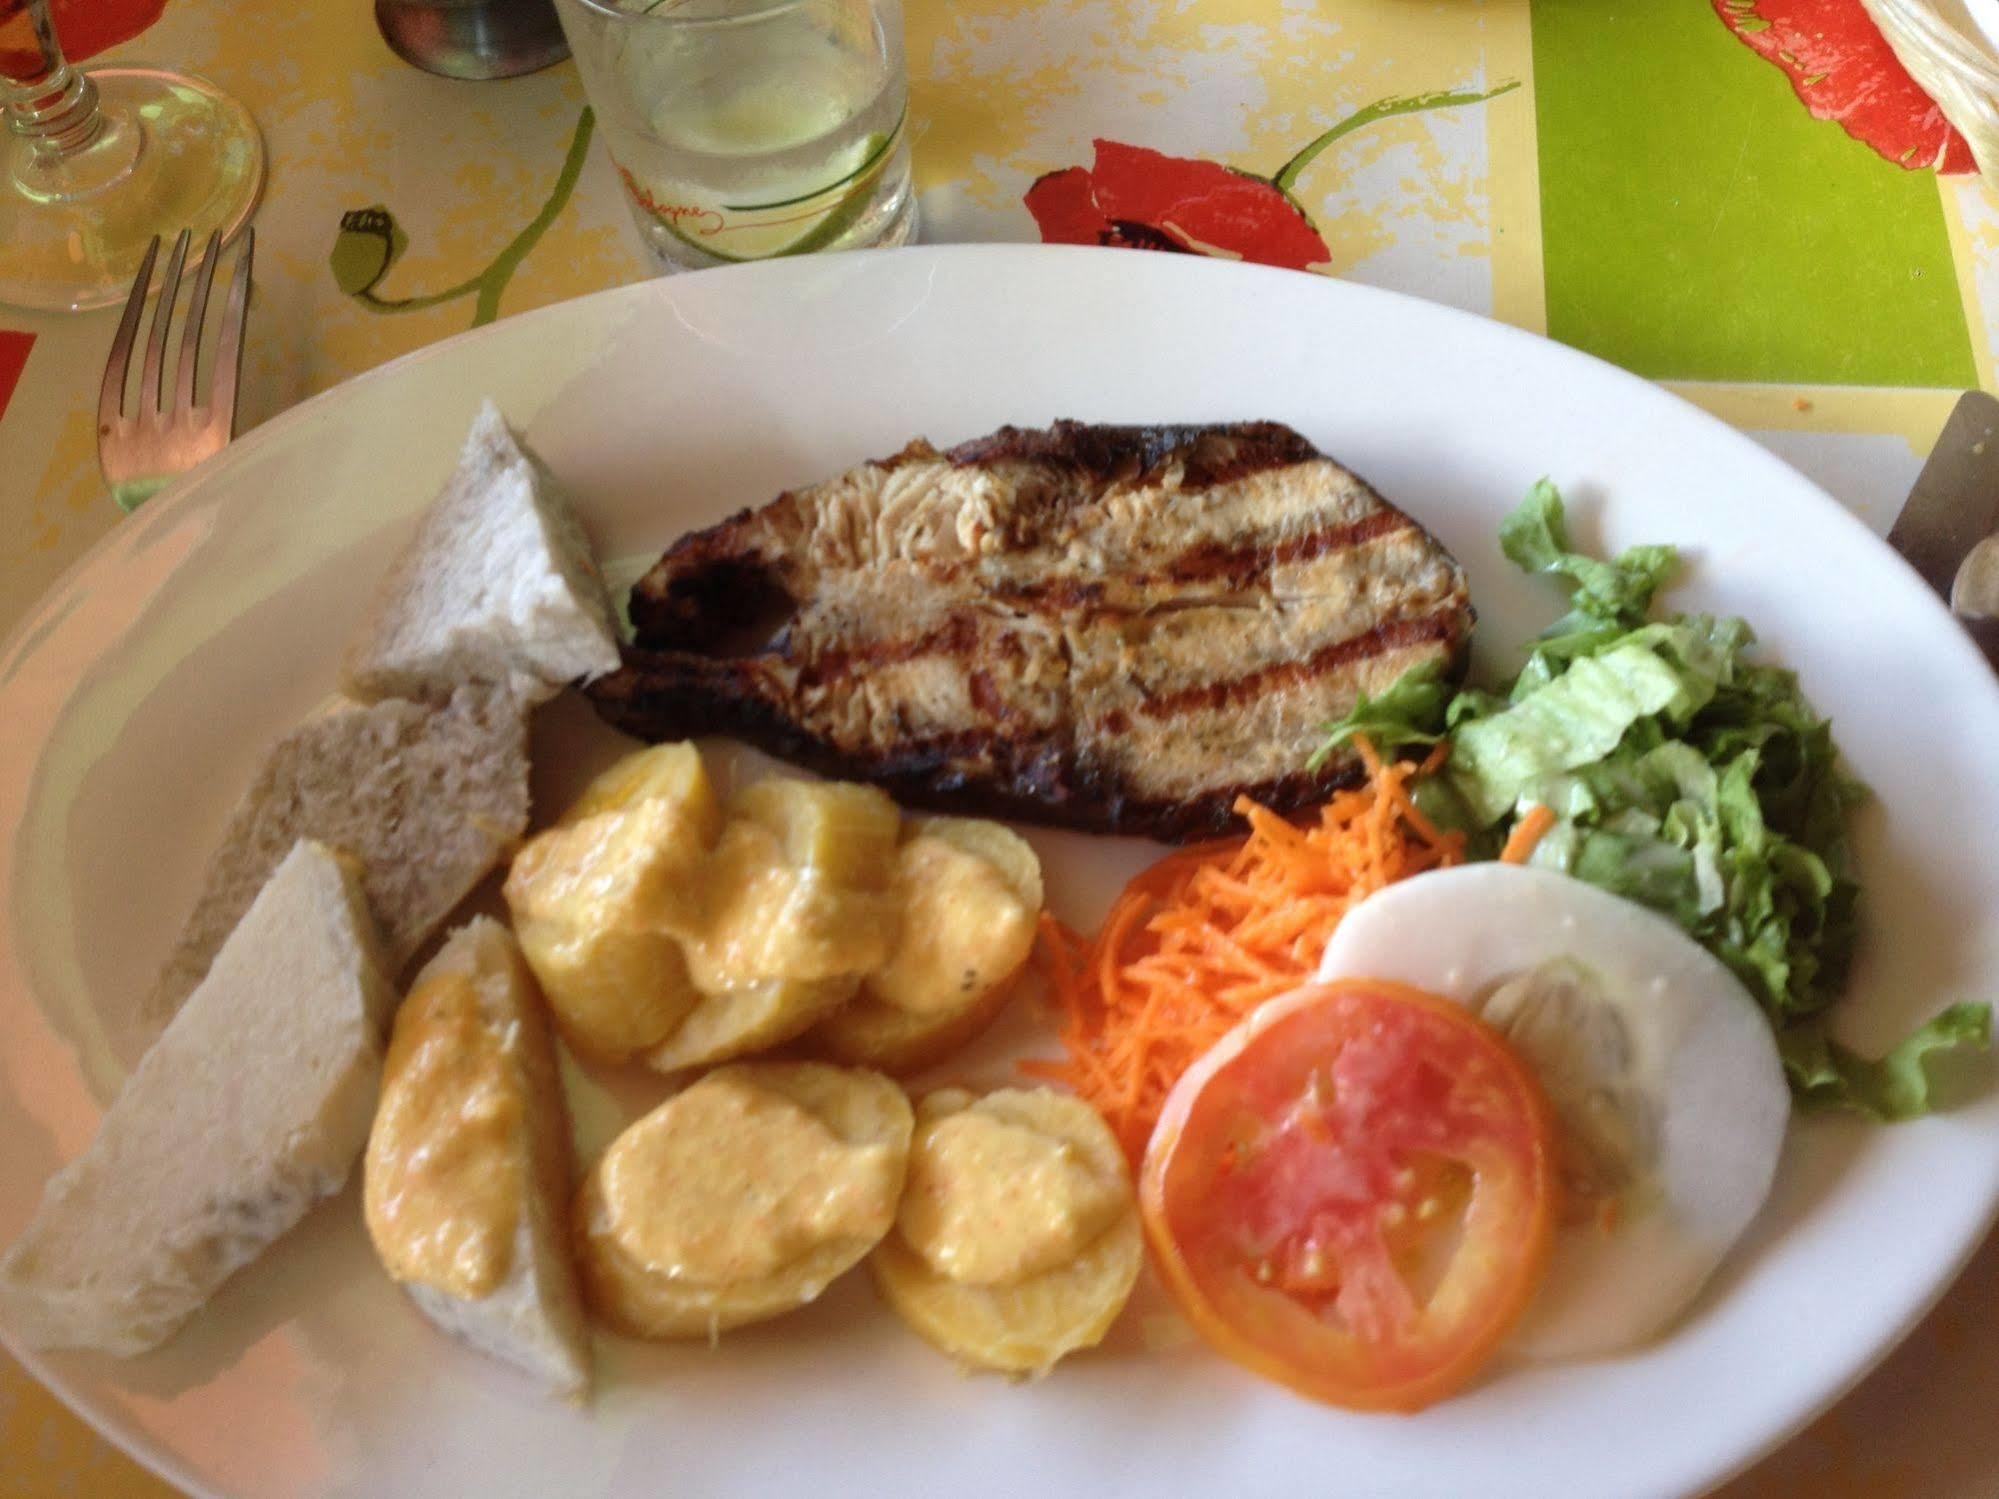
417,304
370,242
508,260
1381,109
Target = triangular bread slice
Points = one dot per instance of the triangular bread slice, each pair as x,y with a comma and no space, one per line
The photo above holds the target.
251,1107
498,585
427,797
533,1318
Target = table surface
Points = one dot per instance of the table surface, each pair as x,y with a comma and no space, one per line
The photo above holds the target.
1804,255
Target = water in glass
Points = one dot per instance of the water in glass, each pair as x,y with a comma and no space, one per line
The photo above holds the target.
749,130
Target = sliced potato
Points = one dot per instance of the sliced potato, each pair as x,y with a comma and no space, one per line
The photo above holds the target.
1023,1329
753,1018
868,1033
995,842
1010,1254
768,917
741,1198
666,772
589,900
969,893
839,830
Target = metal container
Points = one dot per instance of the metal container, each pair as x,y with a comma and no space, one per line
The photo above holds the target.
473,39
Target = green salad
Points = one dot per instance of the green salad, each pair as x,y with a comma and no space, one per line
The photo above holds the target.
1681,774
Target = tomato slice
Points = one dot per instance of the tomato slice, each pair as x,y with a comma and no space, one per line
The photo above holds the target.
1354,1193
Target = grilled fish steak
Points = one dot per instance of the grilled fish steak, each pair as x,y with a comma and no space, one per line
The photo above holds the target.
1118,629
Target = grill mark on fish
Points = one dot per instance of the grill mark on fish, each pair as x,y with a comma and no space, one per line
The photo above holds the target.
1210,455
1213,559
1076,626
954,638
1390,635
1061,594
1238,567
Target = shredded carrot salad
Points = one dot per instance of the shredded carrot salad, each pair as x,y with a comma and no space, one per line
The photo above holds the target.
1527,834
1204,936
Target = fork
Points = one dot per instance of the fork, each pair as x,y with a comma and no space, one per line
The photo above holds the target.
158,441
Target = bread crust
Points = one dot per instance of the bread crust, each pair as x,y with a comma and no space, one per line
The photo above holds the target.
427,798
172,1198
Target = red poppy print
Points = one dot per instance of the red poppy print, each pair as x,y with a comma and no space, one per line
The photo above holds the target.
1843,69
1148,200
1144,199
13,359
84,27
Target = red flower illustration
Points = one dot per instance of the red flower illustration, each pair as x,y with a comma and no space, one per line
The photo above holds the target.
1147,200
84,27
13,359
1842,68
1151,201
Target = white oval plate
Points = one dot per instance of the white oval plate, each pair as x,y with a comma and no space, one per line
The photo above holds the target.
138,696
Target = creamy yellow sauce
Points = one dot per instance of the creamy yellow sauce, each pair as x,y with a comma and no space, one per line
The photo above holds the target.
593,904
446,1163
662,928
643,901
842,831
963,929
670,773
732,1182
991,1201
770,918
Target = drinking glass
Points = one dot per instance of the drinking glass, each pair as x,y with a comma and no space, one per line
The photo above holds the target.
94,164
746,129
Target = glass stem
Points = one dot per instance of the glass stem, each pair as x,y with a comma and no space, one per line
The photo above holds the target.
56,109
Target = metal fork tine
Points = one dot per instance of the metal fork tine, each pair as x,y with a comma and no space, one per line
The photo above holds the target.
111,395
229,347
190,339
152,379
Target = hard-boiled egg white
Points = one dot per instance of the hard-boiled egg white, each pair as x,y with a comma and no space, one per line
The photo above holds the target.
1660,1069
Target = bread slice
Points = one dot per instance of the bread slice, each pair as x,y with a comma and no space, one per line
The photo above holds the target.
498,586
251,1106
533,1318
427,797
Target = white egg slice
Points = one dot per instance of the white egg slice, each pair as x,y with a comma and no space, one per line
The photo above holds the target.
1659,1066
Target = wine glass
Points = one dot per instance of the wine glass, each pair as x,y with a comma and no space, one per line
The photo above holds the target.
94,164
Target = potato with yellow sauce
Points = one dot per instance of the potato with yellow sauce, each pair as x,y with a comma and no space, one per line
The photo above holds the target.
466,1179
595,900
589,900
796,908
661,928
742,1197
1017,1239
670,773
968,893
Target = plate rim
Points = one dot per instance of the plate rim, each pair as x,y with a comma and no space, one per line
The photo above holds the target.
175,495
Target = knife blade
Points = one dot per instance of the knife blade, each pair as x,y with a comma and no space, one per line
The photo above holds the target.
1954,506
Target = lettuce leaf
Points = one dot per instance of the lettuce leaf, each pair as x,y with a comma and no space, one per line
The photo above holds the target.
1535,538
1684,776
1898,1086
1577,718
1410,713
